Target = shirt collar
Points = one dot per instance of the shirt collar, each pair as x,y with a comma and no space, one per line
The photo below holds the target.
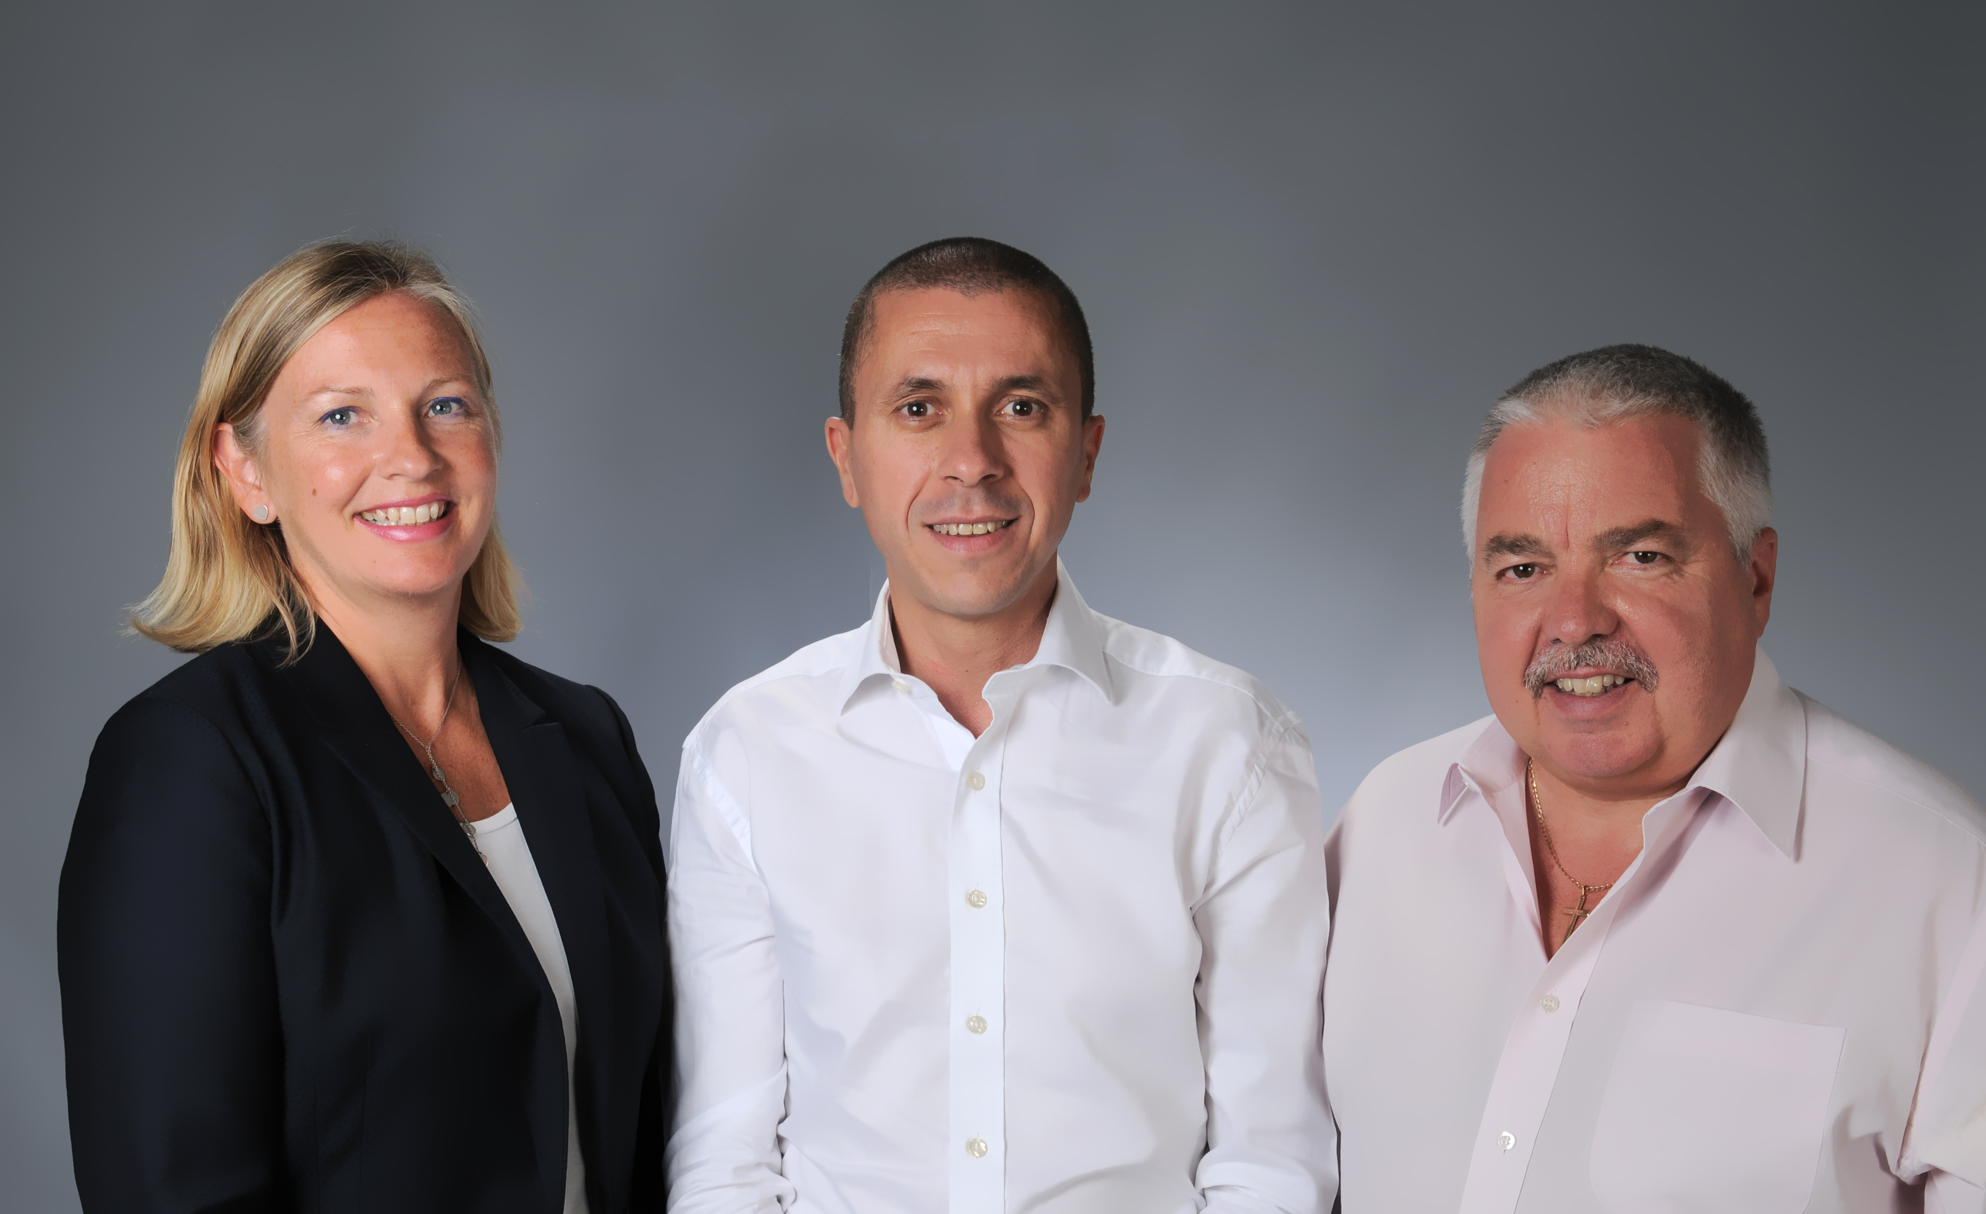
1490,764
1759,765
1073,638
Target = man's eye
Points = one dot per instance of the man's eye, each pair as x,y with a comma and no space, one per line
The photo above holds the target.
1521,573
917,408
342,416
1647,558
1023,407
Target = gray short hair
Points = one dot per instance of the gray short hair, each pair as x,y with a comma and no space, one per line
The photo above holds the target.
1615,383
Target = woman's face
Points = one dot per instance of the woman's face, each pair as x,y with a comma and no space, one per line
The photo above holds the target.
375,452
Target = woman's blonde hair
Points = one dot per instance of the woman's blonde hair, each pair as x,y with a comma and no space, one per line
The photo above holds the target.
229,579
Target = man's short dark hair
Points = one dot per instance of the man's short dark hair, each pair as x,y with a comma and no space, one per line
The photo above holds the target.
968,265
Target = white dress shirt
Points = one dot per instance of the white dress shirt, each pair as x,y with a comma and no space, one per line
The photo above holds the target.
1071,965
1780,1007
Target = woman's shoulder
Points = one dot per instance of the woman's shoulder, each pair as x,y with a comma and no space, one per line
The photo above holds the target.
213,685
197,718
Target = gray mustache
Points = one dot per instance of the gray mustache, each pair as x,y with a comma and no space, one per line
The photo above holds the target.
1558,662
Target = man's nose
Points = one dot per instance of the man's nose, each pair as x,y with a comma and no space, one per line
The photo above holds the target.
1580,610
973,451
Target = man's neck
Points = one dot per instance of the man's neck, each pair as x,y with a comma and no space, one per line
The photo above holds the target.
1621,811
956,655
1580,836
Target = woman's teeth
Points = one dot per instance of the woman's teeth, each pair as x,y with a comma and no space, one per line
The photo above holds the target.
405,516
1593,686
970,528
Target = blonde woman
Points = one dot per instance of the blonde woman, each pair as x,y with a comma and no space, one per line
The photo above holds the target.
359,912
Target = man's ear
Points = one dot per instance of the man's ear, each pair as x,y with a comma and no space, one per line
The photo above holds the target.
243,474
841,449
1764,570
1092,443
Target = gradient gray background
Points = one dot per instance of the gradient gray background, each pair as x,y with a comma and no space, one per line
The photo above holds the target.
1313,241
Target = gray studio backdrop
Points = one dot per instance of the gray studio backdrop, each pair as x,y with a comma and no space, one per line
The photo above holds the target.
1314,241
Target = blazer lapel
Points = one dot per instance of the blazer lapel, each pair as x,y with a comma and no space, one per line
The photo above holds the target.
548,785
353,724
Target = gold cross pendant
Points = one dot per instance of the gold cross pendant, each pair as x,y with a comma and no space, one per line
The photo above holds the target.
1579,913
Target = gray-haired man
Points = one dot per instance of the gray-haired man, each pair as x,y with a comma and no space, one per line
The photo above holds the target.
1676,937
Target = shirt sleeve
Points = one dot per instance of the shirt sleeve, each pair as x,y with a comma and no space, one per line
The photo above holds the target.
723,1152
169,1009
1946,1142
1263,923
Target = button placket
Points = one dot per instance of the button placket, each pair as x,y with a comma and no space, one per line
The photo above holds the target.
978,979
1526,1073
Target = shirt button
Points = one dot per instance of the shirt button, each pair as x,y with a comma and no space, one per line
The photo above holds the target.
902,688
976,899
975,781
976,1147
975,1024
1549,1003
1506,1140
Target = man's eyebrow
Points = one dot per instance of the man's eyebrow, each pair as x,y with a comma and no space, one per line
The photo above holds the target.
919,383
1024,383
1513,545
1627,537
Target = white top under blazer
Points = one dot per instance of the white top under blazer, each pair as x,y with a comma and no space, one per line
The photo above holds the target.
501,840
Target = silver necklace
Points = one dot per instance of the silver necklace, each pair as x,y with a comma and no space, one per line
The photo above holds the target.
449,797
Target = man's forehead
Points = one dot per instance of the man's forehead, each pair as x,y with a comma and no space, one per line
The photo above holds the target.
1559,481
957,309
1531,462
922,331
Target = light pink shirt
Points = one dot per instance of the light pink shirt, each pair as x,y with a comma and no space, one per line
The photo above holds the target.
1781,1005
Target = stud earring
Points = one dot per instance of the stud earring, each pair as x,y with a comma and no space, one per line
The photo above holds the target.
262,514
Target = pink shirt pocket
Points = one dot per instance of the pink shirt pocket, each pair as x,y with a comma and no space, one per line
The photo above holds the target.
1709,1110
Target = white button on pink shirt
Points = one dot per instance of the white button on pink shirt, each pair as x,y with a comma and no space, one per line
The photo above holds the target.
1781,1005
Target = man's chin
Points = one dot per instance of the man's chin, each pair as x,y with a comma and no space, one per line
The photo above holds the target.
982,597
1600,761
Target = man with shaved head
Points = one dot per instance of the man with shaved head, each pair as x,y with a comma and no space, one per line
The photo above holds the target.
1662,934
993,904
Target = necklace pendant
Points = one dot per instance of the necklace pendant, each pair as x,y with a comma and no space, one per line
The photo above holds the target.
434,773
469,829
449,798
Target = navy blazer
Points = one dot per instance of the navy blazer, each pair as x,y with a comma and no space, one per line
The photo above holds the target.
289,983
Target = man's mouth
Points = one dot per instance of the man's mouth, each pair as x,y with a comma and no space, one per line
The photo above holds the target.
1594,685
407,516
985,528
1589,671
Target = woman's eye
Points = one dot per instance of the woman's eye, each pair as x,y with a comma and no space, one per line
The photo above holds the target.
447,406
342,416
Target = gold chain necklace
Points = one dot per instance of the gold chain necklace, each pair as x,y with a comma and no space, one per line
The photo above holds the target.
449,796
1579,912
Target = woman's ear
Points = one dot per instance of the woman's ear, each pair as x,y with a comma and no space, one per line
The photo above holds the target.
243,475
